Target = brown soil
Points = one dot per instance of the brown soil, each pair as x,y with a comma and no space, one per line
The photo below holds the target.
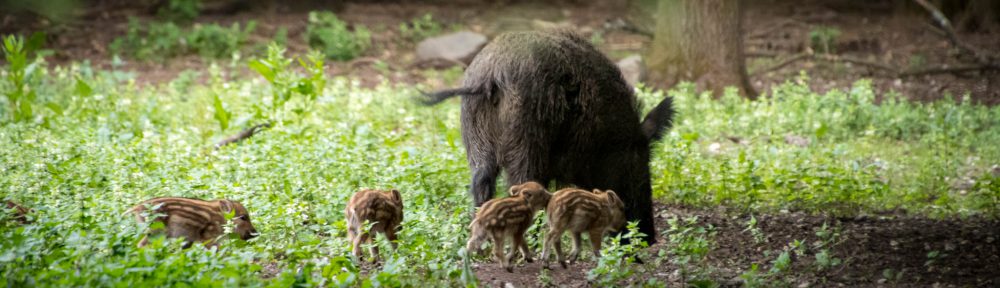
968,252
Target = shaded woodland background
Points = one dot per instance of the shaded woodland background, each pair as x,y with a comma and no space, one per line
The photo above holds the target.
897,43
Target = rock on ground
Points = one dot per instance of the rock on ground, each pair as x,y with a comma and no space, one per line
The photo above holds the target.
455,47
633,69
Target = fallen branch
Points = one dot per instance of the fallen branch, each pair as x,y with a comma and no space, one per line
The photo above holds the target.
362,61
777,26
950,33
783,63
894,72
839,58
948,69
759,54
243,135
434,61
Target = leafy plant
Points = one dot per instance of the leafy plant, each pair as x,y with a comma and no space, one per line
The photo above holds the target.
20,96
214,41
758,235
156,41
331,36
179,11
420,28
286,83
221,114
164,40
281,36
617,257
828,238
689,244
823,38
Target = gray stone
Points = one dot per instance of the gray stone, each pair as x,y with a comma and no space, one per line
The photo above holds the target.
633,69
455,47
797,140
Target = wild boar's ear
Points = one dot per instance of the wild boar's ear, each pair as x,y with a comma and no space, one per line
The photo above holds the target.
658,120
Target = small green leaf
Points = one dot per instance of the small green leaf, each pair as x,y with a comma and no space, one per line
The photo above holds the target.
55,107
82,88
822,130
263,69
157,225
221,114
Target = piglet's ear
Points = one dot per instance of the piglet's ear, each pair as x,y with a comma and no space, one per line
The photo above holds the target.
395,196
515,190
614,200
226,206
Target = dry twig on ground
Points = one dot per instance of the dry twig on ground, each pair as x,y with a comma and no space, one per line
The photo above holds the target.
243,135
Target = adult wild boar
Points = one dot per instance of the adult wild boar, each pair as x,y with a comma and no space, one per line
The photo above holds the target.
549,106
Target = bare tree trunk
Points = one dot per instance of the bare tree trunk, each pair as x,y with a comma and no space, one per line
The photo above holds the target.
700,41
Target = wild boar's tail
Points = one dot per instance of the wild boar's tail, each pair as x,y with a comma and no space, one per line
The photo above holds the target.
438,96
658,120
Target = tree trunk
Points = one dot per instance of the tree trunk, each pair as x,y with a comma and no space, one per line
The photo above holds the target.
700,41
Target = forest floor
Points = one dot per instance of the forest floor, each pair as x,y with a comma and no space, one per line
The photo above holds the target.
877,250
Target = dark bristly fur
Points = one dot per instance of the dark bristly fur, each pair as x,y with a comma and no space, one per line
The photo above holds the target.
384,209
548,106
508,218
193,219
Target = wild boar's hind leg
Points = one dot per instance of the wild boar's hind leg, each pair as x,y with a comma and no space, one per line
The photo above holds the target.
478,134
484,182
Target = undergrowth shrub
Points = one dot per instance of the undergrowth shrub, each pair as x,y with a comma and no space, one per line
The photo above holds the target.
155,41
615,264
840,153
420,28
215,41
18,75
164,40
179,11
330,35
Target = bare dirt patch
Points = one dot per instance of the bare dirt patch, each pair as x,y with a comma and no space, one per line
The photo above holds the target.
928,252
